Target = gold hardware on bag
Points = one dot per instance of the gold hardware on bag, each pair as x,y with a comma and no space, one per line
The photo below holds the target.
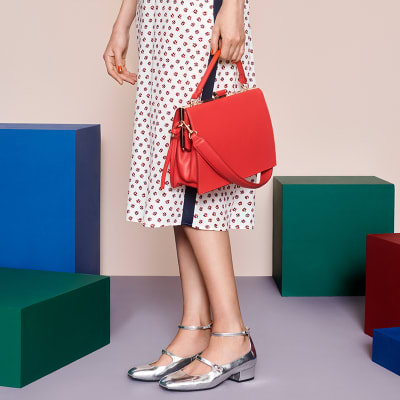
215,95
245,86
181,136
189,129
193,102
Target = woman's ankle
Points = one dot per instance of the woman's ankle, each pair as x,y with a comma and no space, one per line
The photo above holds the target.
196,320
231,326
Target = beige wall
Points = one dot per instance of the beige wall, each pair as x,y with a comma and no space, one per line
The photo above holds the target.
329,71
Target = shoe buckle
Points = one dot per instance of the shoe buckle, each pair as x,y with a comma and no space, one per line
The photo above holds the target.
218,368
213,365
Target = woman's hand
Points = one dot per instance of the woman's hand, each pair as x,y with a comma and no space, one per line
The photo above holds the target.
228,31
115,56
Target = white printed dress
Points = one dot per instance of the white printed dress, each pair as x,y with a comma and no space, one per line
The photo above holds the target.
173,39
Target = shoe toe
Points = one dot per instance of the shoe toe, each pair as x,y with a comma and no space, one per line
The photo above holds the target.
142,372
166,380
163,382
176,380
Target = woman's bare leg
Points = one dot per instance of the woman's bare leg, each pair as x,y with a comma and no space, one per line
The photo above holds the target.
213,253
196,306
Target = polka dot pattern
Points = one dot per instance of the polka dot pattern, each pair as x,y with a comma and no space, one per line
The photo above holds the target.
173,39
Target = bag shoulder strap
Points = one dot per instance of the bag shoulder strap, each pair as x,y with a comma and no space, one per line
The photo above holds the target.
222,168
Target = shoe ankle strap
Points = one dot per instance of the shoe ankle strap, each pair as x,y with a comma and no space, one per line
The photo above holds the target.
195,327
245,332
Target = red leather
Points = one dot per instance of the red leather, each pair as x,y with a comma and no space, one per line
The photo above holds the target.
242,77
233,139
222,168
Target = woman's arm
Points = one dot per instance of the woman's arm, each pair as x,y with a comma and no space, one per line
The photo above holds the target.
228,31
117,47
126,15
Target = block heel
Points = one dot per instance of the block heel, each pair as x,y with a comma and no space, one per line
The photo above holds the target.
244,375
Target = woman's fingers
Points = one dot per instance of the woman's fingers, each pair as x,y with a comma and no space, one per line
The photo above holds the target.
232,50
215,38
120,65
129,76
225,49
121,68
238,54
112,63
235,56
110,66
242,50
119,61
229,23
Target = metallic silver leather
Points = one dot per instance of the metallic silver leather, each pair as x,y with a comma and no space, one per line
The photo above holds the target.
239,370
195,327
245,332
148,372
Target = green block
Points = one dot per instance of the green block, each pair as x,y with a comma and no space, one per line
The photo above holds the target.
320,225
49,319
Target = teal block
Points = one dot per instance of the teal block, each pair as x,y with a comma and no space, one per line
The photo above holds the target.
320,225
49,319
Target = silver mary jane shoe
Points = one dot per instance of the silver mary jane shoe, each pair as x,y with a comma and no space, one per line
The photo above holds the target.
239,370
148,372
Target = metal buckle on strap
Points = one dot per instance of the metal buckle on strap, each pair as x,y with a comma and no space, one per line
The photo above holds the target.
209,363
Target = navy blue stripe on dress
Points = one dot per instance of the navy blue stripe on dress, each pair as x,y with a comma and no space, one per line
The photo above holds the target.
190,192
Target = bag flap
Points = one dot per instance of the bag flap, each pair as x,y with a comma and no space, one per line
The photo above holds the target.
239,128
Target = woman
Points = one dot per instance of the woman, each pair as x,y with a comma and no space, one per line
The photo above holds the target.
176,40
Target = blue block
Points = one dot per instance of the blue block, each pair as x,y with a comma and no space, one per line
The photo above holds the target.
50,197
386,348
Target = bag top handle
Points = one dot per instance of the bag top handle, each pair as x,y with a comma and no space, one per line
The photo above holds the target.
199,89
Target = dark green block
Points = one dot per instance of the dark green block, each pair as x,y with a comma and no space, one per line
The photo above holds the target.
49,319
320,225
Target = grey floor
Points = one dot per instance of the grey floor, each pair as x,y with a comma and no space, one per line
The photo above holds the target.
307,348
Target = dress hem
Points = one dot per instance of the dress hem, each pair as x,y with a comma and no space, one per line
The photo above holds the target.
152,225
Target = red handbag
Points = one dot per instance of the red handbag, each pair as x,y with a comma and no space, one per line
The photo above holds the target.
221,140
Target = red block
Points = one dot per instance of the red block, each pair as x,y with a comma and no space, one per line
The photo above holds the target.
382,282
